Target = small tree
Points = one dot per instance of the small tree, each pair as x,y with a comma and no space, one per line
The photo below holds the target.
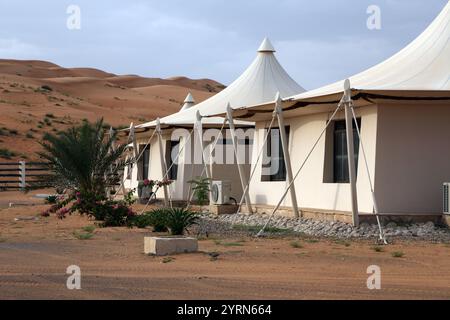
82,159
200,186
83,162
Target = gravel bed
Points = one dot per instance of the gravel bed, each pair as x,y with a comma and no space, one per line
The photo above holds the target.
236,224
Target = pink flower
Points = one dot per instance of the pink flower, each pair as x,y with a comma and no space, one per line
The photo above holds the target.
45,214
61,214
131,212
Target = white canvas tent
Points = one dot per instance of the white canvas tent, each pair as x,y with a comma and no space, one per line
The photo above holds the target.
402,108
423,67
262,80
259,83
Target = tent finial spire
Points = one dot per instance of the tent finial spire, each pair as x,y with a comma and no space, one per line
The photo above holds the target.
266,46
188,102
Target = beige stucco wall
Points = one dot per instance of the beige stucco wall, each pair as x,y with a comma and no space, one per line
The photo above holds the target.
187,170
413,157
312,191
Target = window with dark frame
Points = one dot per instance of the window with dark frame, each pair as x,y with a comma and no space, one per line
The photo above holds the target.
274,158
340,154
130,170
227,146
145,161
172,150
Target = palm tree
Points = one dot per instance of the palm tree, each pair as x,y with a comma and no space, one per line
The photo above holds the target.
83,159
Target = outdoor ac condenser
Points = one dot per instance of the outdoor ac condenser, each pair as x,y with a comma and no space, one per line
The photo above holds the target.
446,198
221,192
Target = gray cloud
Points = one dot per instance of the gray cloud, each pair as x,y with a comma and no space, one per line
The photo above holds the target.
317,41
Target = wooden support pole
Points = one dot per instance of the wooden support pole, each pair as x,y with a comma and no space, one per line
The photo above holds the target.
163,162
351,152
133,139
202,147
111,135
287,157
242,176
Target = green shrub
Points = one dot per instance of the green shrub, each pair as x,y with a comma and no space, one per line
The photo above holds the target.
178,220
296,245
168,260
200,186
398,254
155,218
378,249
89,229
51,199
141,221
83,236
257,228
29,135
7,154
158,220
112,213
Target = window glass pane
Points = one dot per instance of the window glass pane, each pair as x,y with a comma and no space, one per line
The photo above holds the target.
274,166
145,161
340,154
172,150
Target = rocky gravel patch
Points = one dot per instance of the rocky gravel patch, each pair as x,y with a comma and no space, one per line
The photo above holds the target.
232,225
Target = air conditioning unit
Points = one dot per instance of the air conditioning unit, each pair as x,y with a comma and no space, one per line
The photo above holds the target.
221,192
446,198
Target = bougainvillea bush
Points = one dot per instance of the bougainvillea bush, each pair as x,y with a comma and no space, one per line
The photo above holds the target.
110,213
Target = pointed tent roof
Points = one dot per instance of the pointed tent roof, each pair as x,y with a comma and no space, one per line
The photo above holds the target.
188,102
259,83
420,70
422,65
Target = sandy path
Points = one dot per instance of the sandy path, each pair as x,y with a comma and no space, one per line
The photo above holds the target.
34,257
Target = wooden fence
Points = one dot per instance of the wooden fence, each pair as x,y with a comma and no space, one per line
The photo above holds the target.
21,175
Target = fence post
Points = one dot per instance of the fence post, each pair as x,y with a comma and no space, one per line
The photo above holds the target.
22,179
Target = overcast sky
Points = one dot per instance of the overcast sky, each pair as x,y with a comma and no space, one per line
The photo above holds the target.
317,41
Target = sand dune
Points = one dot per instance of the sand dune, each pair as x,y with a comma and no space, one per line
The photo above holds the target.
69,95
171,92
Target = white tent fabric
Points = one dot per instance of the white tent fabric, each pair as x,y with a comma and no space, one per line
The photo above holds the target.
259,83
188,102
423,65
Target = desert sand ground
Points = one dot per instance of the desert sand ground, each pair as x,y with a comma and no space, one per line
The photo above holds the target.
34,256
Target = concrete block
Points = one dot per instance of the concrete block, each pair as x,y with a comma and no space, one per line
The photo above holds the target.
446,219
167,246
223,209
